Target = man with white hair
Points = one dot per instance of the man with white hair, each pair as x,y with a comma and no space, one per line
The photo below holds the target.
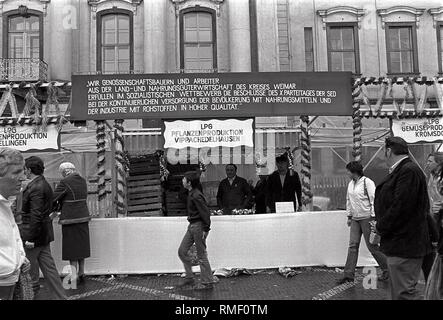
70,195
12,253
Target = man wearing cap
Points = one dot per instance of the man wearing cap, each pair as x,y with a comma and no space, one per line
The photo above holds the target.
70,195
283,185
401,205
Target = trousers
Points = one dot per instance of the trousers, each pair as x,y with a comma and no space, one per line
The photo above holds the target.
359,228
403,278
194,234
41,258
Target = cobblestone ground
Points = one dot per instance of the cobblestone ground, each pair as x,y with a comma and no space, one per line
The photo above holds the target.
309,284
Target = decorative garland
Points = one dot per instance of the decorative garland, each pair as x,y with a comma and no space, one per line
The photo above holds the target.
164,172
305,161
52,100
8,97
356,123
410,93
290,156
259,164
120,165
32,108
242,211
101,169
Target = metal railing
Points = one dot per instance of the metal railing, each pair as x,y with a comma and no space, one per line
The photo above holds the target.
23,70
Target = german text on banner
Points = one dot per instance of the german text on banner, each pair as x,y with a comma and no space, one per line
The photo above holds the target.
23,138
209,133
418,130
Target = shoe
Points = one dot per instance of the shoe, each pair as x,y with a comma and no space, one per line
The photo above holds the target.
186,282
204,286
345,280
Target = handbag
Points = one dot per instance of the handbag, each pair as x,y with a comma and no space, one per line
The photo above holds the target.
432,289
374,237
23,289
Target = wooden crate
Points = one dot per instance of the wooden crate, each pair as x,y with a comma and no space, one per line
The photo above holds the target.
144,194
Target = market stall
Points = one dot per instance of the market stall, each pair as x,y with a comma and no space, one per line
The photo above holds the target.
149,245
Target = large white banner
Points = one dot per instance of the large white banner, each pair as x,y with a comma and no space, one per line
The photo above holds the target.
209,133
23,138
418,130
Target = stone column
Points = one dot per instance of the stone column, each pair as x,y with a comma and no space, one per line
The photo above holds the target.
239,36
155,36
64,18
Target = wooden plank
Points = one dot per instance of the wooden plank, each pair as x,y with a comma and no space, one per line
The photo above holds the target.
151,194
144,201
145,207
175,205
146,214
144,189
143,165
143,183
144,177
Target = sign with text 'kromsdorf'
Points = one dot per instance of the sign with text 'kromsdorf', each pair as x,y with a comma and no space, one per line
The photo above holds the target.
216,95
418,130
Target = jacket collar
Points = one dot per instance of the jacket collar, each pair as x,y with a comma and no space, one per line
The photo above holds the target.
38,178
396,169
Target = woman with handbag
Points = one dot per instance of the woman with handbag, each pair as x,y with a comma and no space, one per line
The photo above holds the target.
360,211
70,194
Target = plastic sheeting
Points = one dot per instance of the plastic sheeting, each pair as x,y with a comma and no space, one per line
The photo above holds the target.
149,245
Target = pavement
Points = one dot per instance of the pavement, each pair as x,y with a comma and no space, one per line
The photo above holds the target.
307,284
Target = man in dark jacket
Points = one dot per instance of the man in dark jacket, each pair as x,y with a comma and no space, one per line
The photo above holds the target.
199,225
36,228
401,206
283,185
233,192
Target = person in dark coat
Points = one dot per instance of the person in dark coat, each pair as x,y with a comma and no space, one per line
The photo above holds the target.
36,228
283,185
259,192
401,207
71,194
233,191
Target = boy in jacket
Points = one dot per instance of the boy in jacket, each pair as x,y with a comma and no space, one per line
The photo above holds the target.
199,225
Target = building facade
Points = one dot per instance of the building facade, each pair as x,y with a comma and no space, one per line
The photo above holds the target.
51,40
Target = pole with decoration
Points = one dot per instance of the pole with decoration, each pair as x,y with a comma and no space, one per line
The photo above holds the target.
356,121
305,164
121,167
101,169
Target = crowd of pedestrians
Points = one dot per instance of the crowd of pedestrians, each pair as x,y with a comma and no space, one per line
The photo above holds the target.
25,236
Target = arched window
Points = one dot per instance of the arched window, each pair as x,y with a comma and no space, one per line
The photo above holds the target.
24,38
198,39
114,41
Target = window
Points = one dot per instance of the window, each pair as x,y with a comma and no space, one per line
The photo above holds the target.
401,48
309,50
198,46
114,39
440,46
24,36
343,52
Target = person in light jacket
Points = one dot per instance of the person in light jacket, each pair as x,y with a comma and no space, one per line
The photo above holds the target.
70,194
12,254
360,211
